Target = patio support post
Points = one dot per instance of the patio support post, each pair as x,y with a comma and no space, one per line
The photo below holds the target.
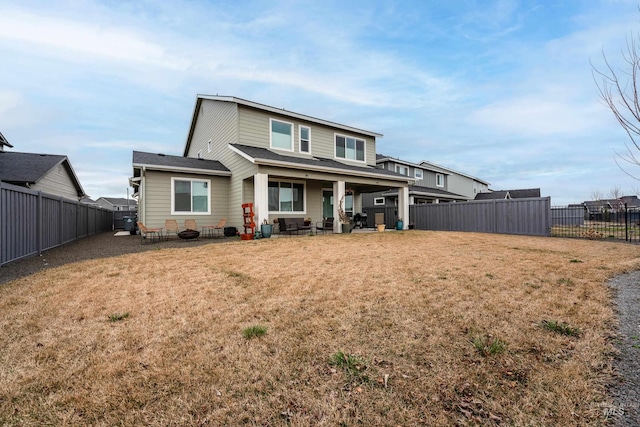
403,206
261,197
338,193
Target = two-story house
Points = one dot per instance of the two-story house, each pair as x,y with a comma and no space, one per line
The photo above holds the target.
286,163
433,183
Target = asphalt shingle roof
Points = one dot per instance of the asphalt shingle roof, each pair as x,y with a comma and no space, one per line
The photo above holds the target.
263,153
142,158
427,190
22,168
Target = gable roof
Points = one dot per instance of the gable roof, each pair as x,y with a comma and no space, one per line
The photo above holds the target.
4,142
381,158
264,156
29,168
269,109
179,164
119,201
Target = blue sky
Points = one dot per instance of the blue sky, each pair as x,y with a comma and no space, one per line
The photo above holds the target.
501,90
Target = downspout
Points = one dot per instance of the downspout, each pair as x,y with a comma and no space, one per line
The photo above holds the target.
143,190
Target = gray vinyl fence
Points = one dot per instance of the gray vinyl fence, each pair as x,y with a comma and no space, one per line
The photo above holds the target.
530,217
32,222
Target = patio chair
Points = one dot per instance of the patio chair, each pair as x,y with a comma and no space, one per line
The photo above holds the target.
171,228
325,225
152,233
212,230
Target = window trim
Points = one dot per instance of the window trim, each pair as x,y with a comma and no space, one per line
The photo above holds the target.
344,135
439,177
191,180
376,201
209,146
271,120
402,167
417,172
300,127
304,197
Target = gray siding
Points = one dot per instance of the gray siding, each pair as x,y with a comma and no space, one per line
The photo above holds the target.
158,199
57,182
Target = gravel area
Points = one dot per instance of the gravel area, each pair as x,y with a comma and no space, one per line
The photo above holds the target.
97,246
625,394
625,407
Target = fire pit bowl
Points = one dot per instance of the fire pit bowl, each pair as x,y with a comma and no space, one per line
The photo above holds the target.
189,234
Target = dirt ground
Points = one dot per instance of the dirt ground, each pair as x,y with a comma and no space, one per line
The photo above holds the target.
101,245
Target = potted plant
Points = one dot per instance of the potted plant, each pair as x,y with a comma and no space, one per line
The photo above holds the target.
343,217
307,221
265,229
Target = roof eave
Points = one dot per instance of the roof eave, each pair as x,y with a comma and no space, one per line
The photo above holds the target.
282,111
165,168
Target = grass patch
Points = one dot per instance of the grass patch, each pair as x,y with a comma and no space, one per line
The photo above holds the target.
117,317
489,346
354,366
254,331
560,328
181,360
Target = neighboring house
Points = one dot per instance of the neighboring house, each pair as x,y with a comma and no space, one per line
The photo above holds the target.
4,142
433,183
509,194
117,203
287,164
48,173
88,201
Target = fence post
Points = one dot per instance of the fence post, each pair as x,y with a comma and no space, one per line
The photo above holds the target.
39,226
626,223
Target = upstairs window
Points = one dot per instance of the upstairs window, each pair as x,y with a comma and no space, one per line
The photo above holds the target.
305,139
209,146
402,170
439,180
350,148
417,174
190,196
281,135
378,201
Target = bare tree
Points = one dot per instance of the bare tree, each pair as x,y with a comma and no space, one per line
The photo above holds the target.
615,192
596,195
619,91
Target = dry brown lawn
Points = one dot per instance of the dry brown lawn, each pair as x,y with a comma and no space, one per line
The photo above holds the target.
406,306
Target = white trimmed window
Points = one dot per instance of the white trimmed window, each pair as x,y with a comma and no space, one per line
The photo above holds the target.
305,139
417,173
378,201
402,170
286,196
439,180
190,196
209,146
281,135
350,148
